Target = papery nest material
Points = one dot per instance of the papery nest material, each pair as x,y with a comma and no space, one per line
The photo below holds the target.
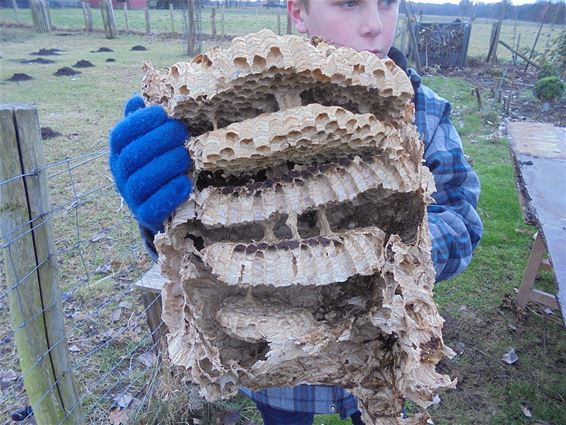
303,255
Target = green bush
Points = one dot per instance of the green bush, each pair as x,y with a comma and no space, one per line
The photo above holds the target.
549,88
548,70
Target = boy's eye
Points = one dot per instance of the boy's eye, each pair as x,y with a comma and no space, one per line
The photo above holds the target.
387,2
349,4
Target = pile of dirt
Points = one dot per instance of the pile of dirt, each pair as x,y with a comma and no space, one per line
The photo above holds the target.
49,133
110,60
47,52
66,71
41,61
138,48
102,49
83,64
20,76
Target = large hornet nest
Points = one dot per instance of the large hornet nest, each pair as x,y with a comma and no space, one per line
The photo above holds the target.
303,255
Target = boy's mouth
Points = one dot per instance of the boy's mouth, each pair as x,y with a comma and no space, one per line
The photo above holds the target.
376,52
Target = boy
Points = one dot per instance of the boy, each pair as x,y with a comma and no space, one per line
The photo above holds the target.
149,164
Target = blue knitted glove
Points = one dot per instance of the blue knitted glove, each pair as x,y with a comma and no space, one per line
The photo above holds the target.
149,162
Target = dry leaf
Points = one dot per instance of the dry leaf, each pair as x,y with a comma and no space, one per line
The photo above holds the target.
123,400
125,304
459,347
436,400
116,314
118,417
8,375
74,348
228,418
142,262
23,414
510,356
147,359
7,378
101,235
526,409
103,269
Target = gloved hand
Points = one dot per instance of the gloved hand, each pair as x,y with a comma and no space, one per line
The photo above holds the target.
149,162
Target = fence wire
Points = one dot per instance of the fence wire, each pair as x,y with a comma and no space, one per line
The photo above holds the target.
99,256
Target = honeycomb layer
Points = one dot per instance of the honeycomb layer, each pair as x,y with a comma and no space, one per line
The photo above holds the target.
314,261
298,191
263,72
299,134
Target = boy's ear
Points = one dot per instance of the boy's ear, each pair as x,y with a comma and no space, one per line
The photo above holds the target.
296,12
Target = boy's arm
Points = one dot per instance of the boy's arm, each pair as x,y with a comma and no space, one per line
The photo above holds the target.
455,226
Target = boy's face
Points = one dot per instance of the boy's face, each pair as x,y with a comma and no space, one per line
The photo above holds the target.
360,24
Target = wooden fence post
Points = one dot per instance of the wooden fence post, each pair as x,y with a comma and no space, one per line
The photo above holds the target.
126,21
213,22
191,30
494,41
222,23
15,7
534,46
289,25
108,19
31,270
147,24
40,15
413,43
87,13
172,18
185,25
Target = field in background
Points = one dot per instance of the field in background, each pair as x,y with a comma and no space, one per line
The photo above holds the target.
479,319
243,21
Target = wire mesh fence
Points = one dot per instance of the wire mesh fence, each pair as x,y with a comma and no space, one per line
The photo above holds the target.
71,253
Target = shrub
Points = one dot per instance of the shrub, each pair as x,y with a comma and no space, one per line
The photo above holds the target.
549,88
548,70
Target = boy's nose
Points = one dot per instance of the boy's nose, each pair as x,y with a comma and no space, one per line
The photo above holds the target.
371,25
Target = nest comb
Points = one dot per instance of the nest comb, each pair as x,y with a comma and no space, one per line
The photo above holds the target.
303,255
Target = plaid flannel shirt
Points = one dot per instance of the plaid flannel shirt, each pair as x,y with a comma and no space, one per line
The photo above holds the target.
454,225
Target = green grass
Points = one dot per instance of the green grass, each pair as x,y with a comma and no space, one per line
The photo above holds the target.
474,304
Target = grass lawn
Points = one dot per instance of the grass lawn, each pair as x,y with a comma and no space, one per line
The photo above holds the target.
476,304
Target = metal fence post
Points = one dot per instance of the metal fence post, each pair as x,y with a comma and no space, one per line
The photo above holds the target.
31,269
